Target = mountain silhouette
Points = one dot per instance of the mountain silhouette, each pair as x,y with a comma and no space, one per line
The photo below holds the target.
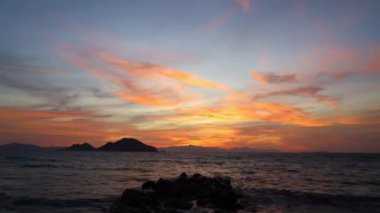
20,147
80,147
127,145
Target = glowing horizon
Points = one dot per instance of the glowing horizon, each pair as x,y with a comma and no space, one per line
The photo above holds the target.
292,76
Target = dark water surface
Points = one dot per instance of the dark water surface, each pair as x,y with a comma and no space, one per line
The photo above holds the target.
55,181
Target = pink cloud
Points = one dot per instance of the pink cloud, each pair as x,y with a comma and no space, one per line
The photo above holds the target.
244,4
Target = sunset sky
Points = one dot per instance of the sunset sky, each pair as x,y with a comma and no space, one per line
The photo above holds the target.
287,75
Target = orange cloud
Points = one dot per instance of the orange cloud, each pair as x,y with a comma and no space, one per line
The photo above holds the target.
15,113
147,69
276,112
239,108
273,78
368,117
335,138
192,79
54,128
143,83
218,121
149,100
131,87
23,123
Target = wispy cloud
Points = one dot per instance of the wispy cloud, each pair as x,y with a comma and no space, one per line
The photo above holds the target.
340,61
225,16
143,83
146,69
274,78
312,92
30,69
221,19
33,87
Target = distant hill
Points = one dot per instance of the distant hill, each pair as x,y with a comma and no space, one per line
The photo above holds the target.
20,147
127,145
201,149
249,150
80,147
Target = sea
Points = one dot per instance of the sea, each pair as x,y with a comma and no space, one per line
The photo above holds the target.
69,181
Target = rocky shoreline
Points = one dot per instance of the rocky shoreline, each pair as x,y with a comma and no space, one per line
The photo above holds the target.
196,193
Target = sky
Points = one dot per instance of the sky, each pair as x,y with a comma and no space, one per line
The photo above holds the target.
289,75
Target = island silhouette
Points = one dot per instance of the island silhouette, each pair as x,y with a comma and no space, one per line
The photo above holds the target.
80,147
122,145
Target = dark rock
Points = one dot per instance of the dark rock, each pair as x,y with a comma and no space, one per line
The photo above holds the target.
202,202
182,193
134,198
183,176
179,203
148,187
165,188
196,176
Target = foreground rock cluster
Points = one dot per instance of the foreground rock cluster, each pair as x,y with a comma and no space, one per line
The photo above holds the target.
180,194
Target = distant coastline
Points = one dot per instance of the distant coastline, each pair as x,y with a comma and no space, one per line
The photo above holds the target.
27,147
205,149
134,145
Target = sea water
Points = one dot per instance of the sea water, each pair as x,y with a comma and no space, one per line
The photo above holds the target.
63,181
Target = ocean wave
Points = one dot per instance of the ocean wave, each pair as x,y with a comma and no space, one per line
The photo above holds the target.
47,166
254,200
19,158
28,204
275,200
40,166
58,202
370,183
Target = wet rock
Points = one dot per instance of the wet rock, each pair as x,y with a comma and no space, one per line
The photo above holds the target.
196,176
179,203
134,198
165,188
183,176
182,193
148,187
